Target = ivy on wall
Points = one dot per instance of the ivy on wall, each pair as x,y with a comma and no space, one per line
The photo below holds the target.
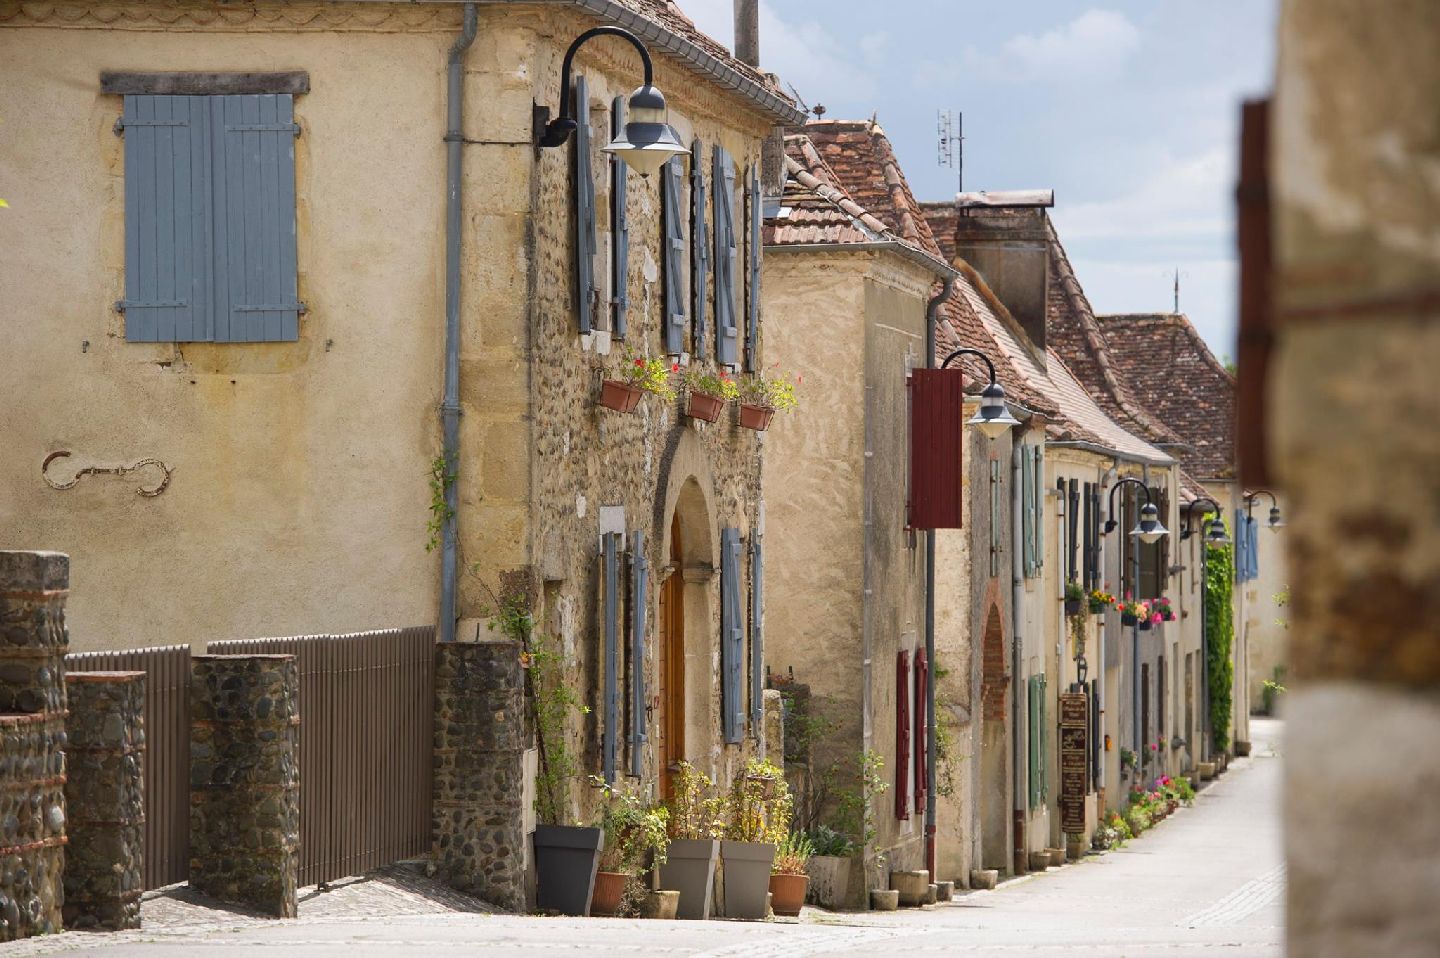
1220,638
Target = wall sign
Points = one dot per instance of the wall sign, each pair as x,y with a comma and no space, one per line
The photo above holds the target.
1074,760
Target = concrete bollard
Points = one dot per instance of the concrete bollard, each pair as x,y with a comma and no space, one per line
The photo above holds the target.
984,878
913,886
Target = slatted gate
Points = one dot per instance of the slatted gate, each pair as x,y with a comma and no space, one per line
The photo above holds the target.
167,751
366,737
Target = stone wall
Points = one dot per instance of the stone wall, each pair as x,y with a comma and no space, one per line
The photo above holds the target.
33,641
105,801
244,780
480,794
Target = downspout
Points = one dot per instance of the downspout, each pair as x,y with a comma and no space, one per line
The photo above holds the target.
450,404
1017,639
932,311
1135,634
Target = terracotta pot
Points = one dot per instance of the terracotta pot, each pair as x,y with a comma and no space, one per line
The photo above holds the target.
609,889
755,417
619,396
704,406
787,893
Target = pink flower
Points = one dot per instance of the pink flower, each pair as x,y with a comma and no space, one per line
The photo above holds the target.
1152,746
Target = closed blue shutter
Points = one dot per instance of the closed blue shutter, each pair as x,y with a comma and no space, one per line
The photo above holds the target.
586,293
1252,548
757,633
726,332
732,638
752,318
167,219
674,250
1242,540
1027,510
1044,784
619,227
639,573
611,713
699,246
1038,488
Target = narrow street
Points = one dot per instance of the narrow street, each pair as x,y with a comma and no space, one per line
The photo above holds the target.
1209,878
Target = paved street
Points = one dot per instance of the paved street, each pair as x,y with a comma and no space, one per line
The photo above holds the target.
1207,880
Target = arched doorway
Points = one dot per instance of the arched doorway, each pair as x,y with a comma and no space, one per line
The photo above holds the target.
686,670
672,662
995,746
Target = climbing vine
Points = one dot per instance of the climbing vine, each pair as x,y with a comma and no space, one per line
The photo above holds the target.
441,479
1220,637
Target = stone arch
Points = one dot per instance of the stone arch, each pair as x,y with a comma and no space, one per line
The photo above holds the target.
994,811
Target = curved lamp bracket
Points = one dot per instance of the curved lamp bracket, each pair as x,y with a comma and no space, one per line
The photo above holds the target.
558,130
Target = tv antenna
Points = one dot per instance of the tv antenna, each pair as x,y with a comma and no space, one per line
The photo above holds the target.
1176,288
950,145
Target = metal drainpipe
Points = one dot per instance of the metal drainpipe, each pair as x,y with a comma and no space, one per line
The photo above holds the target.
450,404
932,310
1135,632
1017,615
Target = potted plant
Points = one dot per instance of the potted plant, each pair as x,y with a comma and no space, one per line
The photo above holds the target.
1134,611
639,375
762,397
1161,607
828,870
632,832
1074,598
707,393
789,875
1100,600
697,821
760,808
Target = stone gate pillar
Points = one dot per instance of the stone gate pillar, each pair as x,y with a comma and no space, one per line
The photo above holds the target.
244,780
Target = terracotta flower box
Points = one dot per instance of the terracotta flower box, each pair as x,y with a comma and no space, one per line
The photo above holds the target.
787,893
755,417
704,406
619,396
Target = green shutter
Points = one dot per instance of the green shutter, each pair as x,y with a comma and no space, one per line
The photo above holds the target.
1038,485
1044,783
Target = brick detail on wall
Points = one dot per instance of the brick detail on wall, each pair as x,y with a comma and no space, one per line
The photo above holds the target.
994,677
480,793
244,780
105,800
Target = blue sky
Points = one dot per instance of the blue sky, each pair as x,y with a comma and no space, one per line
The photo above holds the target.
1128,110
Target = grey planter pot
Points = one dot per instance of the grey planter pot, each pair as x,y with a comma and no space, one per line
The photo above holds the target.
566,858
747,878
690,869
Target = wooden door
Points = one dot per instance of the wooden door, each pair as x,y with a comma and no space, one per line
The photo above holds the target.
672,665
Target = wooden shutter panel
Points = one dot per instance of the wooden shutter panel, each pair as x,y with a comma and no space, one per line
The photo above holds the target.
1255,337
902,735
937,443
1033,752
674,250
167,219
732,637
922,737
639,578
756,207
1037,489
586,292
726,332
1044,784
757,633
1072,518
699,247
619,228
611,712
1027,509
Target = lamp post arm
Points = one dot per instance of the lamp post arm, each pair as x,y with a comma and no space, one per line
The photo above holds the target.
559,129
1251,497
1127,480
1190,513
970,352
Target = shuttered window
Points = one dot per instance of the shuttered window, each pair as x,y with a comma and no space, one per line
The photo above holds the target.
1028,519
639,583
1032,751
902,735
1044,736
757,632
1072,519
732,639
1037,491
699,248
727,332
1038,739
922,737
210,245
674,255
756,207
610,579
619,228
587,295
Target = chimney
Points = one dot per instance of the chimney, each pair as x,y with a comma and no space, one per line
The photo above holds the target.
1004,237
747,31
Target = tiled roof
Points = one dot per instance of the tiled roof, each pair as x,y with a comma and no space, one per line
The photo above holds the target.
1191,489
1167,367
815,207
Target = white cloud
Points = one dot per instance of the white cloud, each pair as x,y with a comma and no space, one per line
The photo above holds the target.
1181,199
1096,44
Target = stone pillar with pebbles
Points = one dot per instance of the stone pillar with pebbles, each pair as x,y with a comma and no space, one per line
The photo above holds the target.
105,799
480,788
33,642
244,780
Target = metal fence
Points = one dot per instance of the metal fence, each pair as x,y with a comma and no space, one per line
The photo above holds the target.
167,751
366,736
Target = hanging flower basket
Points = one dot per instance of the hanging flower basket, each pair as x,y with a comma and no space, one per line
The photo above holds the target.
620,396
1126,618
1072,606
704,406
1145,625
755,417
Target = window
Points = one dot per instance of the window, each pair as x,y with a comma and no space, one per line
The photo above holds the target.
210,250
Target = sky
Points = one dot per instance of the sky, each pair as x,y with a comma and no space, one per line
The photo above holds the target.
1128,110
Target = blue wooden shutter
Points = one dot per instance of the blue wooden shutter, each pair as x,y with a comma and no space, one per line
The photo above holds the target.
1242,539
611,713
732,637
699,246
1043,786
752,302
586,292
1252,548
1027,510
167,219
674,250
619,227
726,332
757,634
639,573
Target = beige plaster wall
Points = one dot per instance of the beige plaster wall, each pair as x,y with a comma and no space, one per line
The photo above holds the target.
299,500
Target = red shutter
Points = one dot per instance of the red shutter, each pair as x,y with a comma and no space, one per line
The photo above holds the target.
1252,199
922,737
937,433
902,735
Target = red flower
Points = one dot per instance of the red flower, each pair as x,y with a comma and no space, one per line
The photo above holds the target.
674,367
639,362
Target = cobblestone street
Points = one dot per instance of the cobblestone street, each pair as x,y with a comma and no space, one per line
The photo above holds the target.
1208,879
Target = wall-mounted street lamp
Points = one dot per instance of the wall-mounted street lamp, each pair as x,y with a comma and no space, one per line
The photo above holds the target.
648,141
1149,529
1275,523
1215,534
993,417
